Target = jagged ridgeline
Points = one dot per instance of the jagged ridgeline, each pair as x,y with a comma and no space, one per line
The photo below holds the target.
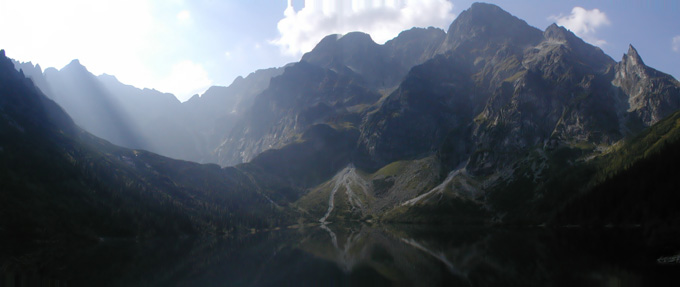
491,121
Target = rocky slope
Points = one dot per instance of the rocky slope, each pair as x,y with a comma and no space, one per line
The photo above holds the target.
505,110
492,121
57,180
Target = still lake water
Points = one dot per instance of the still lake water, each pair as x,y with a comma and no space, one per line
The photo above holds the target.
358,255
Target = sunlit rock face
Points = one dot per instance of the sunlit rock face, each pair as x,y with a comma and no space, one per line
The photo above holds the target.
338,82
651,94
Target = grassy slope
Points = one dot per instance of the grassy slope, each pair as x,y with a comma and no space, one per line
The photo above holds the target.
636,184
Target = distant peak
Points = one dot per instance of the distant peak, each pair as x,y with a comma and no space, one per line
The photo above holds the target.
2,53
553,28
359,37
74,65
484,14
108,77
485,9
632,51
557,32
421,31
490,24
323,53
633,55
481,6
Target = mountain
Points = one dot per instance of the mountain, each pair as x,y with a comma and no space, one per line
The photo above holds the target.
148,119
302,96
338,82
59,181
381,66
651,94
493,121
506,117
213,115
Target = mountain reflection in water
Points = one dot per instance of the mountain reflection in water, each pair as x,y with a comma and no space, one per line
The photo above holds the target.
360,255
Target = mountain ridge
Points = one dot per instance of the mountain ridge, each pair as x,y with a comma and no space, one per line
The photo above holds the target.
488,123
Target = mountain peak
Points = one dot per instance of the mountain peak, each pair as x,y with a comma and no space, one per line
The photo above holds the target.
339,48
488,13
482,7
484,24
2,53
75,64
107,77
557,32
352,37
633,56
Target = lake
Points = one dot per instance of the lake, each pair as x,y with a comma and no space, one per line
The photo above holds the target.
358,255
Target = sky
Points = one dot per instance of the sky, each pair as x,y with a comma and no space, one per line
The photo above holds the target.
185,46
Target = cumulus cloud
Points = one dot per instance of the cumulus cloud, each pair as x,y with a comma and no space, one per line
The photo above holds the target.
584,23
676,43
301,30
118,37
98,33
184,15
186,79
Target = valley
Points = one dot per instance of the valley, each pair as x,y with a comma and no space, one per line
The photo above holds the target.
492,122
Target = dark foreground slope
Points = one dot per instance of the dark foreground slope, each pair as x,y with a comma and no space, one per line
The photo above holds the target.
637,184
57,180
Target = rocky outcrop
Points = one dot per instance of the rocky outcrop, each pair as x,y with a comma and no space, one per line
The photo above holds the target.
380,66
302,96
651,94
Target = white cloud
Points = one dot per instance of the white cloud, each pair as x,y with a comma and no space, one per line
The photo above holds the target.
584,23
186,79
184,15
98,33
676,43
301,30
117,37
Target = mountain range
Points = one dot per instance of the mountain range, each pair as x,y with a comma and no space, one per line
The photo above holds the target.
492,121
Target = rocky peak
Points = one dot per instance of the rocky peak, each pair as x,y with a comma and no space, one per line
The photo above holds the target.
631,69
560,43
75,63
489,24
555,32
651,94
356,38
415,45
416,34
75,66
633,57
338,47
5,62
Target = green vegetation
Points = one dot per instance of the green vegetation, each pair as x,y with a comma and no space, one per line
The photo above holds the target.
392,169
636,184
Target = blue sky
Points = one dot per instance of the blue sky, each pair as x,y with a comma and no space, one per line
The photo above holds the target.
183,47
